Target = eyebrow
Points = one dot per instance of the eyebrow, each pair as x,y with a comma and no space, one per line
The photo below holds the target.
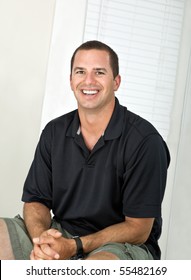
100,69
78,68
96,68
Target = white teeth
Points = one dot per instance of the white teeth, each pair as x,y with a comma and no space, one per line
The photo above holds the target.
90,92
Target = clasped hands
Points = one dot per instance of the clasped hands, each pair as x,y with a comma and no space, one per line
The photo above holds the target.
51,245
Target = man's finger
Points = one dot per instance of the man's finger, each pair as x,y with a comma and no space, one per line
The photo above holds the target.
49,251
54,233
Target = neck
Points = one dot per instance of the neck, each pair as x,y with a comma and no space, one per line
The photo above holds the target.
95,122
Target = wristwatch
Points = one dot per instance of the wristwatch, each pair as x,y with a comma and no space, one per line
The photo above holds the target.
79,251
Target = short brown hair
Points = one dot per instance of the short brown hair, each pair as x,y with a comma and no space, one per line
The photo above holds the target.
89,45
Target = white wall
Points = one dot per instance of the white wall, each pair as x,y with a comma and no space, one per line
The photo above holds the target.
25,32
177,226
180,222
67,36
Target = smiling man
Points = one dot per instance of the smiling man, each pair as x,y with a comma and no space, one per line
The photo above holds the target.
100,169
94,85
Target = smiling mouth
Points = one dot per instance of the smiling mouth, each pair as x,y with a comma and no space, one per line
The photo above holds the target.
90,92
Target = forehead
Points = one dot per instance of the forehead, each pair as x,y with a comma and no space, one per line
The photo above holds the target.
92,57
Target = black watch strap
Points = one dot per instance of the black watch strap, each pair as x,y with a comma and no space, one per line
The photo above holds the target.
79,245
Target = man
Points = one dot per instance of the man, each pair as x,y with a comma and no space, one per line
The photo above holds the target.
100,169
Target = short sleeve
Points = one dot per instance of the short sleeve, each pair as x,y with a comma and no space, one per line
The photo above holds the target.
145,178
38,184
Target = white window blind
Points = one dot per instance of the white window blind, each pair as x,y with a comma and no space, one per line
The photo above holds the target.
146,34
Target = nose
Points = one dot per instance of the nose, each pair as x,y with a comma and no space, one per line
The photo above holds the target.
90,78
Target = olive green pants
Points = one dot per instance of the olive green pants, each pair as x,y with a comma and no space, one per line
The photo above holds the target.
22,244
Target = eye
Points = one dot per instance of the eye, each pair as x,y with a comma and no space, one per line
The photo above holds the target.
80,72
99,73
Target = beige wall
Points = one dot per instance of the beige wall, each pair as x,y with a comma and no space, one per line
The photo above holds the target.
25,33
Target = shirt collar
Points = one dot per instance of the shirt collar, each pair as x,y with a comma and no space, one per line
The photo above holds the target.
73,128
113,130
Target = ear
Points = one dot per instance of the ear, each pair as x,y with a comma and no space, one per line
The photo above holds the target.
117,82
71,82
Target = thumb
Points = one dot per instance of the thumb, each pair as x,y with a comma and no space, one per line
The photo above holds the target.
54,233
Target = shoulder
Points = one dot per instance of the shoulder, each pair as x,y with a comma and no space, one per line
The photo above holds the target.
60,122
58,127
140,136
63,120
139,126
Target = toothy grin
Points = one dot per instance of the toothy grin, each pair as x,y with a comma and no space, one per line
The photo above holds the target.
89,92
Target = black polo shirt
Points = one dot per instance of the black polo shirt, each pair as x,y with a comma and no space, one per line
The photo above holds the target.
124,174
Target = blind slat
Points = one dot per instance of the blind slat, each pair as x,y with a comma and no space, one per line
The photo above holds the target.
146,35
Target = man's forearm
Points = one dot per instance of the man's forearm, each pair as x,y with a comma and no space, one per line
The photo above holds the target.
134,231
37,218
110,234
